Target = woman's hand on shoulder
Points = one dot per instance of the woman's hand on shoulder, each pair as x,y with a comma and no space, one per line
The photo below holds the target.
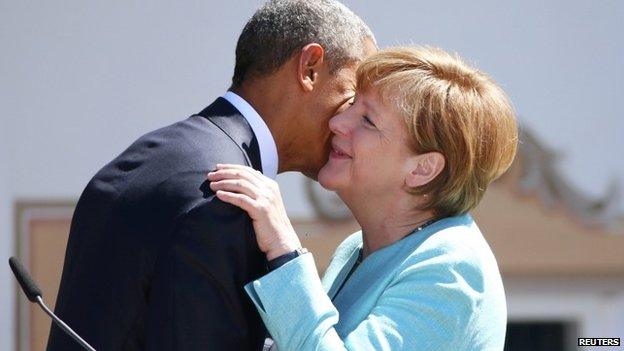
260,197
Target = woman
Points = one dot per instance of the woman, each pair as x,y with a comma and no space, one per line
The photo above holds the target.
414,153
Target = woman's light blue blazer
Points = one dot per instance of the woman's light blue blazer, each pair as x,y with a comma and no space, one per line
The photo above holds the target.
437,289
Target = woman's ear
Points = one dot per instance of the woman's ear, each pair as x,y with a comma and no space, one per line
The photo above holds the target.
424,168
310,63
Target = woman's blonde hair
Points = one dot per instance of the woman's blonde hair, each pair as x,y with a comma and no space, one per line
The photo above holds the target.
450,108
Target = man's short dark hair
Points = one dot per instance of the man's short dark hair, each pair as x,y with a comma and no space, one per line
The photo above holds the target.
282,27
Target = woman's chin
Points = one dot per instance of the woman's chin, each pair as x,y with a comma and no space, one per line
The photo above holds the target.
325,183
327,179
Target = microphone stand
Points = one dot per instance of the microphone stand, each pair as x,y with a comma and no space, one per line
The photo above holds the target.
63,326
33,293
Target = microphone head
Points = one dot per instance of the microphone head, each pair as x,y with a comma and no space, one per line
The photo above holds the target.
28,285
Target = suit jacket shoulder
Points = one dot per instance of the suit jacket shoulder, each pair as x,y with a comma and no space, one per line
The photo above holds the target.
126,220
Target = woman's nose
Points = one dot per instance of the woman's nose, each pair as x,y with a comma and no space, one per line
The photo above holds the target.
339,124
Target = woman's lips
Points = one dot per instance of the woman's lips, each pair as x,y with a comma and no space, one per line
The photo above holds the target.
338,153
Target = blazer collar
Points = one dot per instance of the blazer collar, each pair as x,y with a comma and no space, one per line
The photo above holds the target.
225,116
379,261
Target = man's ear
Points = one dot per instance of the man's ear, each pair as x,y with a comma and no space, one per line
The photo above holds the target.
424,168
311,60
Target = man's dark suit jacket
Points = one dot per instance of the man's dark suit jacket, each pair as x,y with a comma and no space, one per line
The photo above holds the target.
154,260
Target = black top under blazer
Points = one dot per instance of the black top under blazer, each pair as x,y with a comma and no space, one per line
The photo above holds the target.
154,260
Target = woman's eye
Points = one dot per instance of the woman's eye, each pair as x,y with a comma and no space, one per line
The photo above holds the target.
368,121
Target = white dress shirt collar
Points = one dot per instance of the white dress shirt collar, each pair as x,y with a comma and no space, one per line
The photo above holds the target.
266,143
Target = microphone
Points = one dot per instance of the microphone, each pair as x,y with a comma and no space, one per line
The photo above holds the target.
33,293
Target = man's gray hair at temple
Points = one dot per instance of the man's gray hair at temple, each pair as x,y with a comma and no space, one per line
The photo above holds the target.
282,27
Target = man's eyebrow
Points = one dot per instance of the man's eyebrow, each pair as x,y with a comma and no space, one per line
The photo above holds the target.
352,86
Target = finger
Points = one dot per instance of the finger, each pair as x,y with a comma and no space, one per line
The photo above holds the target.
239,200
232,165
232,174
240,186
239,173
240,167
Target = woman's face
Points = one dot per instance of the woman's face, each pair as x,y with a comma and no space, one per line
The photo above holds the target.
369,152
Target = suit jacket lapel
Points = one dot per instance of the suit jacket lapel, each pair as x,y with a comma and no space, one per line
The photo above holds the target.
235,126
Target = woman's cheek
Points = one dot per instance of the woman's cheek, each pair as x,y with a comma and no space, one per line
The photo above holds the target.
362,162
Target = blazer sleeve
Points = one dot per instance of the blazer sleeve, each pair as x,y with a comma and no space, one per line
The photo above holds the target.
421,310
197,301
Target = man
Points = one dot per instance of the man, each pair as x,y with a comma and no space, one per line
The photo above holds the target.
154,260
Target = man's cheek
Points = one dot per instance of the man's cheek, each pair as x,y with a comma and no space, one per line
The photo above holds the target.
342,108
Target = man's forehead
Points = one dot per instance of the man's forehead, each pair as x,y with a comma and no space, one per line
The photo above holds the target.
347,77
369,47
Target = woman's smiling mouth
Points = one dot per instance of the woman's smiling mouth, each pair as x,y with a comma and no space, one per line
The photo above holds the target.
337,152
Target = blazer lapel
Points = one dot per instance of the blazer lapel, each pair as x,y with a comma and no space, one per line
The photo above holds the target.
225,116
342,276
341,264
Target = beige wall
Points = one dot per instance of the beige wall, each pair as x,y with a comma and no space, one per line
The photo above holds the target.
531,239
42,237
